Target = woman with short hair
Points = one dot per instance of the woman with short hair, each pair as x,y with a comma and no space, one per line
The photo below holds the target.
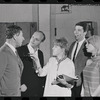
60,71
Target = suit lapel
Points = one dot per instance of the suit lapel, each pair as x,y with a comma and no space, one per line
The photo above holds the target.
26,49
80,50
39,54
20,64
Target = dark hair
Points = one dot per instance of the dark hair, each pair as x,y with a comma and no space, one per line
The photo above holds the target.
63,43
43,35
83,24
12,30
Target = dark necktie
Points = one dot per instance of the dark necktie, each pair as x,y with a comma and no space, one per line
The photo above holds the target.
75,52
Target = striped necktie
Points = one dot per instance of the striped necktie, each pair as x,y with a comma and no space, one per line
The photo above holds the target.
19,61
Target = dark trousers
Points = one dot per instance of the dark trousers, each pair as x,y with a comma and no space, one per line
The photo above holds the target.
76,90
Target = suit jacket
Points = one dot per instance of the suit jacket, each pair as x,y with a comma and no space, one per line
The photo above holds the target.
10,72
29,77
81,58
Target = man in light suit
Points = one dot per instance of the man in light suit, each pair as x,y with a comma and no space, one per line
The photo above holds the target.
34,84
11,66
79,56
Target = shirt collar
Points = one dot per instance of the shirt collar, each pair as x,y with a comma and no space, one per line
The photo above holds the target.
31,49
80,42
59,61
12,47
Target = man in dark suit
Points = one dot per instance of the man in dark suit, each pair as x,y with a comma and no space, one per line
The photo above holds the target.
77,54
11,66
34,84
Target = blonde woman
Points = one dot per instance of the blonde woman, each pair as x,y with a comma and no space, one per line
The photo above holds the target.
59,71
91,73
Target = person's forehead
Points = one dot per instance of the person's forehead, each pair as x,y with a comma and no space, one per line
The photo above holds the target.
37,34
78,27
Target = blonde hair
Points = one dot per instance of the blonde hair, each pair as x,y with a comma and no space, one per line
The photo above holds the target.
63,43
95,41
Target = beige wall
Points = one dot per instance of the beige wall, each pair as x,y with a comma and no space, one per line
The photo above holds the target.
29,13
47,22
21,14
16,13
44,25
65,22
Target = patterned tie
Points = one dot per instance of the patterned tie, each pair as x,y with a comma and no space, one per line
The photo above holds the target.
75,52
34,65
19,61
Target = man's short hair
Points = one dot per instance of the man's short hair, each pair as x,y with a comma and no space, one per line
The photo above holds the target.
82,24
12,30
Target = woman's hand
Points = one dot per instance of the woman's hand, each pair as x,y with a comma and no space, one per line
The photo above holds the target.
61,79
54,82
33,56
36,59
38,67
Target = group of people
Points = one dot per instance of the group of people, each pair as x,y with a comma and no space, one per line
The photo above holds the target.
70,72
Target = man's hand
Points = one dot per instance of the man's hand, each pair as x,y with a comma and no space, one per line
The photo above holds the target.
23,88
79,81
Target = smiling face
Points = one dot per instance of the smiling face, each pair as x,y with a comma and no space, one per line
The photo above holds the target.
79,33
36,39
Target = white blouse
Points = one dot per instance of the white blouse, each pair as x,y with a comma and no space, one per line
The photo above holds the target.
52,69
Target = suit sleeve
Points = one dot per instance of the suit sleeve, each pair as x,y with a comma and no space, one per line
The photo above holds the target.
3,64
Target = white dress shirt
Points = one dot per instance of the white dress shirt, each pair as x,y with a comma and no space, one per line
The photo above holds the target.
79,46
